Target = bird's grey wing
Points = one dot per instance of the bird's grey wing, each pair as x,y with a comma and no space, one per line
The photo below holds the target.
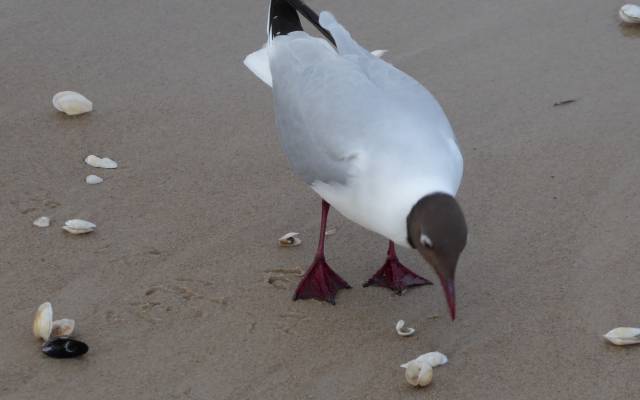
325,107
399,87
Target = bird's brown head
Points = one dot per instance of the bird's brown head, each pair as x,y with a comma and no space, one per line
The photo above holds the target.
437,229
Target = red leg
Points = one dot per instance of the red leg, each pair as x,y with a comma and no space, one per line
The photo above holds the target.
394,275
320,282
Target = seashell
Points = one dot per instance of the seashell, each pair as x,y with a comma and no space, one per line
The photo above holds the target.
290,240
623,336
93,179
98,162
71,103
42,222
330,231
42,323
630,13
379,53
63,327
418,373
78,226
402,331
64,347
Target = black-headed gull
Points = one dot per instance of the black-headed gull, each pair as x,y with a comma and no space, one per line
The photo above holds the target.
370,140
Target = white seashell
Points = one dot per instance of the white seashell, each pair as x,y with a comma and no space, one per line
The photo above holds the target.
418,373
623,336
71,103
330,231
78,226
42,323
93,179
42,222
98,162
402,331
630,13
63,327
379,53
290,240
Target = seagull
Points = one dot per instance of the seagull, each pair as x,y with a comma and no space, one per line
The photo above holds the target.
371,141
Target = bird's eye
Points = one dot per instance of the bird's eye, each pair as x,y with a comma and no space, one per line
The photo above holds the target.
426,241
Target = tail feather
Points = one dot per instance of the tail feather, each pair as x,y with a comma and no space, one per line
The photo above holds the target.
283,18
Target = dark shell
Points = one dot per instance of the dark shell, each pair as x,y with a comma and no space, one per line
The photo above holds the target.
64,347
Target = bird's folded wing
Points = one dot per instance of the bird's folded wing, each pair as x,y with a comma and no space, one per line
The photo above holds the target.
326,107
399,87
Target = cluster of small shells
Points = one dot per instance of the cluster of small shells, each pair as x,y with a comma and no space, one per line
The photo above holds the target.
45,327
73,226
623,336
73,103
419,372
630,13
56,334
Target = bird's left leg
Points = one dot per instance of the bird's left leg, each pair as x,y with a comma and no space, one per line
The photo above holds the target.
394,275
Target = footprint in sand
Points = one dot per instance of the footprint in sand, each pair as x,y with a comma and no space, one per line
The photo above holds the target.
281,278
175,301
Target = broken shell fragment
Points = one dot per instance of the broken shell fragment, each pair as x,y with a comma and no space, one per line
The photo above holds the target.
63,327
71,103
98,162
623,336
43,321
402,331
630,13
418,373
93,179
435,358
64,347
290,240
78,226
330,231
42,222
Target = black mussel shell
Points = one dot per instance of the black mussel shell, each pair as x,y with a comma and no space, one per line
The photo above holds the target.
64,347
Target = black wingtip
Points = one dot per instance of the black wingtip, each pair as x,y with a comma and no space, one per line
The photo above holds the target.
283,18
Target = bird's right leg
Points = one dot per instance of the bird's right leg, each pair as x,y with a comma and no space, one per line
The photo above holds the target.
320,281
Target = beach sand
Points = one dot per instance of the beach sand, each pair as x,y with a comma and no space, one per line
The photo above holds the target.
172,292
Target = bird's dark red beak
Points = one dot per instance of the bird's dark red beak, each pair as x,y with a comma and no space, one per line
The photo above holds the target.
450,294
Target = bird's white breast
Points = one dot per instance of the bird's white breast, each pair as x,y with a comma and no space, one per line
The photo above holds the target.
379,196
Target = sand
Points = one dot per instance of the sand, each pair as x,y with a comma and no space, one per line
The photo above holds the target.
171,291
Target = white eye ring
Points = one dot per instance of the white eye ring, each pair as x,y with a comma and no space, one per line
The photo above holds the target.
424,239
